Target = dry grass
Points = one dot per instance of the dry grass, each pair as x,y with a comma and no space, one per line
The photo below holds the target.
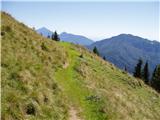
42,78
28,65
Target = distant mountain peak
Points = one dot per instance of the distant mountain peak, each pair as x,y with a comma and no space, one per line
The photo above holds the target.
44,29
126,35
125,49
76,39
67,37
64,33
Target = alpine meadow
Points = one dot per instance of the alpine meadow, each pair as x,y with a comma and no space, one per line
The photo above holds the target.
48,75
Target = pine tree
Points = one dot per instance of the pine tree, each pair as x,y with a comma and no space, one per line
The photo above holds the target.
146,73
55,36
138,67
95,50
48,36
104,58
125,69
155,82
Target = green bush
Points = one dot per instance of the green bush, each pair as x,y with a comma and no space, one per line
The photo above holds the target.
44,47
30,109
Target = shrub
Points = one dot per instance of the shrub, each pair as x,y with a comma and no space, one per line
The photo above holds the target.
102,110
7,28
81,56
44,47
30,109
2,33
46,99
93,98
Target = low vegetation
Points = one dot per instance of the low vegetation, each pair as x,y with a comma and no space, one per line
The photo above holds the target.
44,79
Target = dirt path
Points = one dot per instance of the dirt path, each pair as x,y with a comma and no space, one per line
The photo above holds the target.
73,115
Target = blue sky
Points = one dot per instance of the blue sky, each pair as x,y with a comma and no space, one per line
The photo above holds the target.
96,20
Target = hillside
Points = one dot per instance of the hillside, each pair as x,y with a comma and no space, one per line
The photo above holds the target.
124,50
47,80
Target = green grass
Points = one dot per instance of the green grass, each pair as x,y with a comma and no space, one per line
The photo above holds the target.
76,91
28,74
42,79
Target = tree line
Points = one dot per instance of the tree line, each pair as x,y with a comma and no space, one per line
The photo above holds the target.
143,72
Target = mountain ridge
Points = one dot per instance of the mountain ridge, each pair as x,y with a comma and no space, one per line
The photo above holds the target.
44,32
67,37
130,48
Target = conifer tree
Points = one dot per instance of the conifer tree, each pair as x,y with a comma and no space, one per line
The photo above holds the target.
146,73
104,58
95,50
55,36
155,82
137,72
48,36
125,69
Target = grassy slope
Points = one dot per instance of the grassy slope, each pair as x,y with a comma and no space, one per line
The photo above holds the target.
28,66
51,77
